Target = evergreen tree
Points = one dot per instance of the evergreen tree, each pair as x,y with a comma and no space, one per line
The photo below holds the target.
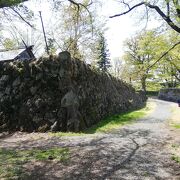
103,54
51,46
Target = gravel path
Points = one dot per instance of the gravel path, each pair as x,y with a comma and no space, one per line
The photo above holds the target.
139,151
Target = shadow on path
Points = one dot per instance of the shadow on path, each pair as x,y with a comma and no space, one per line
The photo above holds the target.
136,151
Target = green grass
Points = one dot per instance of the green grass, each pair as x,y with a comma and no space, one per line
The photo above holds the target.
115,122
174,121
175,155
176,158
12,161
177,126
66,134
110,123
175,146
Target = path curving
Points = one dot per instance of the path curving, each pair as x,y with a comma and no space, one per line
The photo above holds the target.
139,151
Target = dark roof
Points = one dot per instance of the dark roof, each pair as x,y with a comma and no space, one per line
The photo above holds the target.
21,54
10,55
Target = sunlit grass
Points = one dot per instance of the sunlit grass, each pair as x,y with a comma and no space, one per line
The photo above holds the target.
107,124
176,158
67,134
175,149
177,126
12,161
174,121
113,122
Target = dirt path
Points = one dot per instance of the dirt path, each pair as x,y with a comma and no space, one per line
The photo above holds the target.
139,151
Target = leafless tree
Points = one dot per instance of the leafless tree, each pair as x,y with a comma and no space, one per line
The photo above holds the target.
170,14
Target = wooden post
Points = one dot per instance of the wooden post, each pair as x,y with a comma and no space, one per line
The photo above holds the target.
47,49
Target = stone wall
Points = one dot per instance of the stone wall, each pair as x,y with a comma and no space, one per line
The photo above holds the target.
169,94
60,94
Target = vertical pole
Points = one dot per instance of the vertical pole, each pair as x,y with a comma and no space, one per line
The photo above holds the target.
44,33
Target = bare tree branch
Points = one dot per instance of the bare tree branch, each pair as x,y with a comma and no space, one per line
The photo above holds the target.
164,54
168,9
85,7
177,5
167,19
130,9
158,10
174,64
126,4
80,4
13,9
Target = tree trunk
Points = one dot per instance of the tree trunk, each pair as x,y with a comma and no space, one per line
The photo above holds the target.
143,83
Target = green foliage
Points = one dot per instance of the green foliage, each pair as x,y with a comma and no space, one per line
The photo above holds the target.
103,54
77,29
51,46
141,52
12,161
141,65
169,67
71,44
9,44
76,32
153,86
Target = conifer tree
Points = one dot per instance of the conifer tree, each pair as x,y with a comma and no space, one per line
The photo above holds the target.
103,62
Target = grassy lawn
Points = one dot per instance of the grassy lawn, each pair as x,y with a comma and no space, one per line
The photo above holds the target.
113,122
12,162
175,148
174,121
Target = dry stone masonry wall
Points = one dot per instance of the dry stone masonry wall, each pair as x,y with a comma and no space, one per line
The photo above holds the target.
60,94
169,94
